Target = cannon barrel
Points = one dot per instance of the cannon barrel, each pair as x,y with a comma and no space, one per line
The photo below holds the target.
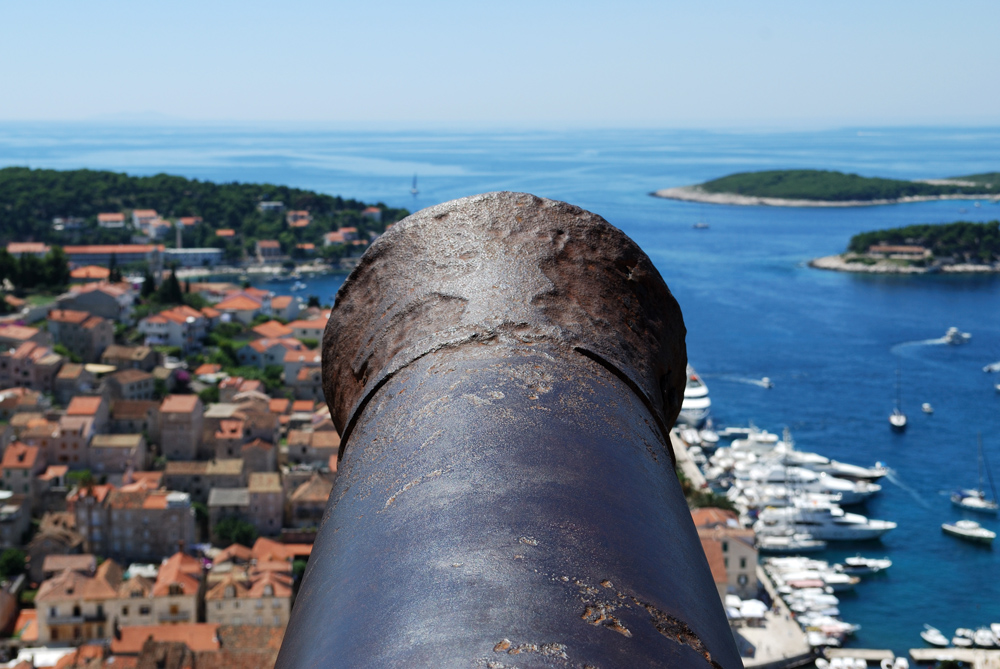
503,370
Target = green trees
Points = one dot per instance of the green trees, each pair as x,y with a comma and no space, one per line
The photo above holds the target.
235,531
29,272
973,242
170,291
11,563
29,199
832,186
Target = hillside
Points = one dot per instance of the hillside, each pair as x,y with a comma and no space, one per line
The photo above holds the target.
31,198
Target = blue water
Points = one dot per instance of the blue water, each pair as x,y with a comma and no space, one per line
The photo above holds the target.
829,341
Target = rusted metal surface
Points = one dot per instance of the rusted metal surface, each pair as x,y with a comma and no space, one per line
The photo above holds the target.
502,368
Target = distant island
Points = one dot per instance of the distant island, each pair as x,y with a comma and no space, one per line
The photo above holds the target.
960,247
826,188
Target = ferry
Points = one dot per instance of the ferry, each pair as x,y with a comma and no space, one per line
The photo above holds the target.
696,405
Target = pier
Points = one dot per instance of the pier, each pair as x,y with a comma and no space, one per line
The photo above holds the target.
685,462
866,654
977,658
780,643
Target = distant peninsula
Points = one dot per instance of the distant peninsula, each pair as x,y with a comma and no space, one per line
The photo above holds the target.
959,247
826,188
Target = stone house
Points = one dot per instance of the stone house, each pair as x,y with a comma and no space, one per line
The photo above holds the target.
131,357
198,478
129,384
266,502
115,453
31,365
56,536
19,467
73,379
181,418
71,605
81,332
263,600
308,502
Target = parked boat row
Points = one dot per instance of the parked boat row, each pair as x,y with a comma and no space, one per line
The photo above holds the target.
964,637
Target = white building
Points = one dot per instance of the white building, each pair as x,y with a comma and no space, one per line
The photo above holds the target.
200,257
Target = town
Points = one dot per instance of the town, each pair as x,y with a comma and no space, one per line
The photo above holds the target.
167,453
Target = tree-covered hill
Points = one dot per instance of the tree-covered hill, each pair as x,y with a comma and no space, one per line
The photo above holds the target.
826,185
962,240
31,198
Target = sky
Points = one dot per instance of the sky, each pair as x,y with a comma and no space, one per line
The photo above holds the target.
514,63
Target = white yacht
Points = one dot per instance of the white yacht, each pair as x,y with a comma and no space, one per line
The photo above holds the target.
954,337
862,566
696,405
828,523
969,530
934,637
806,480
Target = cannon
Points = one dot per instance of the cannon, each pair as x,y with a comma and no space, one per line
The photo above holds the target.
503,370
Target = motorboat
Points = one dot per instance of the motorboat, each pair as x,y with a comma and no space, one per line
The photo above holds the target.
934,637
829,523
789,543
954,337
862,566
969,530
974,499
927,408
696,404
983,637
806,480
961,642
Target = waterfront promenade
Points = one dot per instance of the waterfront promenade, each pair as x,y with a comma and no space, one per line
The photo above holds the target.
977,658
684,461
780,643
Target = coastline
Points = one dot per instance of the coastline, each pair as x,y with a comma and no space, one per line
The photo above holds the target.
838,264
273,270
696,194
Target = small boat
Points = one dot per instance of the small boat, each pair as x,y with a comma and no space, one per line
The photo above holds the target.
700,226
969,530
974,499
298,285
933,637
793,543
413,189
926,407
766,383
895,663
954,337
961,642
862,566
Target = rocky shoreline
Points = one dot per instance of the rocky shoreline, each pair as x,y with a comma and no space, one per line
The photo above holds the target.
839,264
696,194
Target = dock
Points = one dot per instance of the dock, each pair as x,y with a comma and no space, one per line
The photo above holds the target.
866,654
780,643
977,658
685,462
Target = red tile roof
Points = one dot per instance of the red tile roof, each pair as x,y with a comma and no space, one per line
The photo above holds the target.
279,405
112,217
21,332
179,569
16,248
268,244
207,368
84,406
281,301
238,303
90,272
111,248
197,636
179,404
272,329
225,232
68,316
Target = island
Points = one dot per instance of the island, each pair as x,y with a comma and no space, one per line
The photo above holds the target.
827,188
959,247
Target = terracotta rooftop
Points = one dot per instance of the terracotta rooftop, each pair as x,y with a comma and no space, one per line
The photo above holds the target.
53,472
305,357
132,409
68,316
16,248
268,244
90,272
84,563
198,637
20,332
111,217
118,351
279,405
128,441
103,585
123,249
181,570
233,553
210,312
238,303
711,516
716,560
314,491
264,482
84,406
208,368
144,213
179,404
126,376
327,439
273,329
225,232
303,406
281,301
19,456
314,324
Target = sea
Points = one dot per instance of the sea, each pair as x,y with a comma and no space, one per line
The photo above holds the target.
830,342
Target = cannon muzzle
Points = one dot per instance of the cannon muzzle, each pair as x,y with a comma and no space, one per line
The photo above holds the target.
503,370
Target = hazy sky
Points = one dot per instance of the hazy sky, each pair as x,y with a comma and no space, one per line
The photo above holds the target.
511,63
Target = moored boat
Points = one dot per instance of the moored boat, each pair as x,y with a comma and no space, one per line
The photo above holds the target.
969,530
934,637
696,404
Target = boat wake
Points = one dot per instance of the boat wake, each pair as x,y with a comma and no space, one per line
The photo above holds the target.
890,475
899,348
764,382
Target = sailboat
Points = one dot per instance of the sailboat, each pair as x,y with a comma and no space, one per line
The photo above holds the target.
414,190
897,419
974,499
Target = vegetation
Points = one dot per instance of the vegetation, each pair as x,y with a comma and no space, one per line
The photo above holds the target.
235,531
962,241
825,185
49,274
11,563
30,199
699,499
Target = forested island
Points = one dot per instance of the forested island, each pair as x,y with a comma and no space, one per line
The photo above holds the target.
62,207
827,188
961,246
